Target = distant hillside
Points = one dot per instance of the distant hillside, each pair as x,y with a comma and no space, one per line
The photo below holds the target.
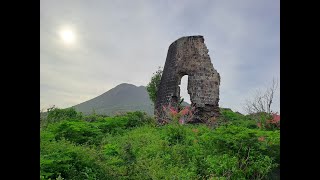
122,98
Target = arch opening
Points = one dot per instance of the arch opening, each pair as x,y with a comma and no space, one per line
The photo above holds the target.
184,90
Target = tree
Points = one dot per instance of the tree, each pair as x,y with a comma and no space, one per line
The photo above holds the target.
153,85
262,101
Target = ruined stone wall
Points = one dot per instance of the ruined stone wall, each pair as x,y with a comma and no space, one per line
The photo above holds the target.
189,56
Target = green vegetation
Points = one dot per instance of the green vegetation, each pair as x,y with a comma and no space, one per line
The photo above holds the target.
133,146
153,85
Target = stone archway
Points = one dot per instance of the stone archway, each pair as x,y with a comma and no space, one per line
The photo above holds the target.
189,56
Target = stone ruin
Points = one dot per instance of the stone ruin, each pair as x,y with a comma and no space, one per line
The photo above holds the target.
189,56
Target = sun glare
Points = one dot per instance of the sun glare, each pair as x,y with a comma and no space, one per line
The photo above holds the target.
67,36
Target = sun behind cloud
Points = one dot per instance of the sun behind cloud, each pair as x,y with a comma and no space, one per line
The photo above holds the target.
67,35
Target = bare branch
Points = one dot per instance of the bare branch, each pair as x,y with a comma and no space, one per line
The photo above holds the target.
262,101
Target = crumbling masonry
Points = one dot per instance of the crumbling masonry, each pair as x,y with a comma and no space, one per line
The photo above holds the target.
189,56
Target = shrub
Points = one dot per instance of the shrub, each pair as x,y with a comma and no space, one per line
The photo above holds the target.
93,118
172,115
274,122
79,132
251,124
235,118
153,85
64,159
56,114
120,123
138,118
116,124
268,121
175,133
222,166
255,150
230,115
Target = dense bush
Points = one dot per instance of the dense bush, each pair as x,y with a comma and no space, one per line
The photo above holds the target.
130,146
255,151
93,117
56,115
79,132
69,161
153,85
229,115
138,118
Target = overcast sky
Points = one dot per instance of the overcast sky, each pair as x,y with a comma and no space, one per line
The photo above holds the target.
124,41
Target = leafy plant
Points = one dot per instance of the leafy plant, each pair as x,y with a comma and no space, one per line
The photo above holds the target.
153,85
174,116
79,132
56,114
251,147
66,160
269,121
